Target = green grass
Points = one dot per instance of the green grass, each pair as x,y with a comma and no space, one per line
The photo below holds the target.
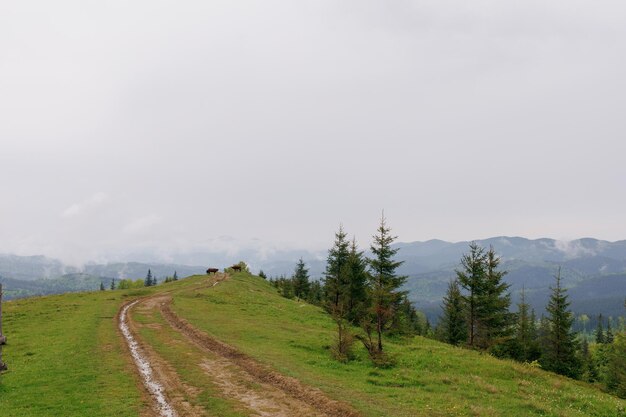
430,379
65,358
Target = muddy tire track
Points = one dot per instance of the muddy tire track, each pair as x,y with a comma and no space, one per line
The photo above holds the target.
153,386
262,373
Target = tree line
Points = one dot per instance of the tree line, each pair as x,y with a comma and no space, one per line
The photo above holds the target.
149,281
477,315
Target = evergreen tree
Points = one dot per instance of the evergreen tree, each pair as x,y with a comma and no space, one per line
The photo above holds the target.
148,280
609,332
526,332
589,369
335,285
600,339
616,371
560,353
453,323
355,274
101,286
175,277
543,333
385,294
472,278
316,293
262,274
495,321
113,284
407,320
301,280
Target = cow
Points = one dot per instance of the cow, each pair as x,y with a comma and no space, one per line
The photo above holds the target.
212,271
236,268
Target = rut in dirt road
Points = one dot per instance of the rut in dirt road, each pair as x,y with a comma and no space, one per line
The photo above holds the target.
238,378
153,386
291,387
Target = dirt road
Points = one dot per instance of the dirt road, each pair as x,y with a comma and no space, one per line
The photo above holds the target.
253,388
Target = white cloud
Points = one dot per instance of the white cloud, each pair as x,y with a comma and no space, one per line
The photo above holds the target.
142,224
78,208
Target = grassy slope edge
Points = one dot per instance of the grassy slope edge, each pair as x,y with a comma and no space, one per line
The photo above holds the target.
66,358
431,379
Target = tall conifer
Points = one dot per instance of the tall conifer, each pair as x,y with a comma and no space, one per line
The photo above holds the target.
560,351
495,321
384,282
355,274
148,281
300,280
335,285
453,321
471,277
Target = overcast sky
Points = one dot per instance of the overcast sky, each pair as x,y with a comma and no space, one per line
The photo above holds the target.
171,126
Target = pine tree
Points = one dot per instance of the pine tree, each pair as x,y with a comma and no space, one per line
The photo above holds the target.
262,274
148,280
113,283
385,294
560,354
453,322
300,280
355,274
175,277
600,339
335,285
101,286
472,278
495,321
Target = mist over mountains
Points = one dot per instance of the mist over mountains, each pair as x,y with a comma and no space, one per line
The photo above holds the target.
593,270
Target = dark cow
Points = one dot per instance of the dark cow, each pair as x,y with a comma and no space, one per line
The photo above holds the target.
212,271
236,268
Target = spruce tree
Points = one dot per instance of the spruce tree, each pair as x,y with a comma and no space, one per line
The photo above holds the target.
609,332
316,294
600,339
335,285
495,321
526,332
175,277
355,274
471,277
453,323
113,283
385,294
300,280
262,274
101,286
148,281
560,353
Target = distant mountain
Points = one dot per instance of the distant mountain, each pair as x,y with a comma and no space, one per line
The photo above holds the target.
25,276
32,267
593,270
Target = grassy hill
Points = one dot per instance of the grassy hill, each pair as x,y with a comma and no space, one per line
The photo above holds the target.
66,357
